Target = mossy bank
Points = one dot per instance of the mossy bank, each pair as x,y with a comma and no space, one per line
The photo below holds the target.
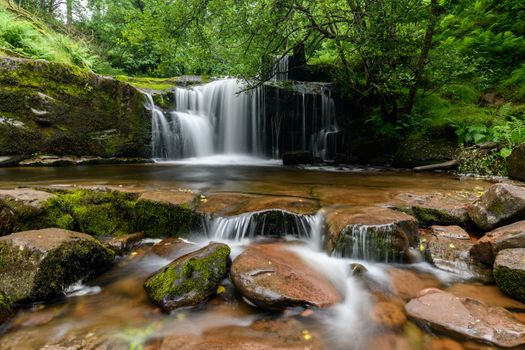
48,107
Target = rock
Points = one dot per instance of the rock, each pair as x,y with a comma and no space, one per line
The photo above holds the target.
190,279
124,244
172,248
453,255
166,213
6,307
298,157
19,209
454,231
371,233
510,236
279,334
39,264
487,294
407,284
61,109
445,344
417,151
509,272
271,276
434,209
466,317
388,314
501,204
516,163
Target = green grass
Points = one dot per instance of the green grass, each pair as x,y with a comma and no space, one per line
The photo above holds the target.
27,37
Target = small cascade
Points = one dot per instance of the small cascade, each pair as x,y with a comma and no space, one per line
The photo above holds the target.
280,68
268,223
370,243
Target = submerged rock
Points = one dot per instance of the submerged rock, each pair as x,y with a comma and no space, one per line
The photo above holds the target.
371,233
39,264
172,248
6,306
434,209
190,279
388,314
509,272
407,284
501,204
280,334
466,317
19,209
453,255
273,277
510,236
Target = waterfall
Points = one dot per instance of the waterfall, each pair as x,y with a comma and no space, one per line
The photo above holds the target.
219,118
268,223
280,68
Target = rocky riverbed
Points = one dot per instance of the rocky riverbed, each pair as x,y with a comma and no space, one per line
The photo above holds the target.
317,260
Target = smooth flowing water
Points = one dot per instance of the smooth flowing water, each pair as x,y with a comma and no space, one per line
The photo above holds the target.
113,311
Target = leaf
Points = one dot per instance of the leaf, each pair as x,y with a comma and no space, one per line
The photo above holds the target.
505,152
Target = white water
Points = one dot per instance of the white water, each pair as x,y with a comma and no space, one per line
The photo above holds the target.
219,119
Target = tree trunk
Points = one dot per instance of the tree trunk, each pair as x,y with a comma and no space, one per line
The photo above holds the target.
69,12
423,56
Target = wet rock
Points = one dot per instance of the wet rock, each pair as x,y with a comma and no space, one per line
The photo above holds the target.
56,161
510,236
501,204
466,317
190,279
509,272
167,213
124,244
298,157
371,233
43,263
357,269
434,209
488,294
172,248
287,334
19,209
445,344
407,284
453,231
516,163
388,314
6,307
453,255
273,277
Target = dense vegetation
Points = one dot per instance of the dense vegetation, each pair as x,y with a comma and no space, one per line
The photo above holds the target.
422,68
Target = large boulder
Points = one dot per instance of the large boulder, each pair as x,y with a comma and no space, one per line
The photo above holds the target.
35,265
190,279
434,209
466,317
510,236
516,163
371,233
48,107
274,277
453,255
20,208
509,272
501,204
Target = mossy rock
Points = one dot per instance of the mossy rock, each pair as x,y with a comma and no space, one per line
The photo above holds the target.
99,213
190,279
60,109
6,307
36,265
509,272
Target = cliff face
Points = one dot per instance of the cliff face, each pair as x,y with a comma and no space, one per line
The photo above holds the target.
57,109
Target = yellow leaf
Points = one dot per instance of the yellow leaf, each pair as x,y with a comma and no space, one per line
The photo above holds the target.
221,289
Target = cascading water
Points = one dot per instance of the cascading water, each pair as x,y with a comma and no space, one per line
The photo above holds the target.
280,69
220,118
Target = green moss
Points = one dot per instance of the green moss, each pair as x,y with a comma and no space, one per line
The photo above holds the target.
430,216
6,307
69,263
160,219
511,282
94,212
194,277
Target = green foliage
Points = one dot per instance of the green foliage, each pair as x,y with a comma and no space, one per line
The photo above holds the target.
481,162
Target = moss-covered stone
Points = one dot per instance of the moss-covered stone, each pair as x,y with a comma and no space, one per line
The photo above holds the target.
59,109
190,279
36,265
100,213
509,272
6,307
